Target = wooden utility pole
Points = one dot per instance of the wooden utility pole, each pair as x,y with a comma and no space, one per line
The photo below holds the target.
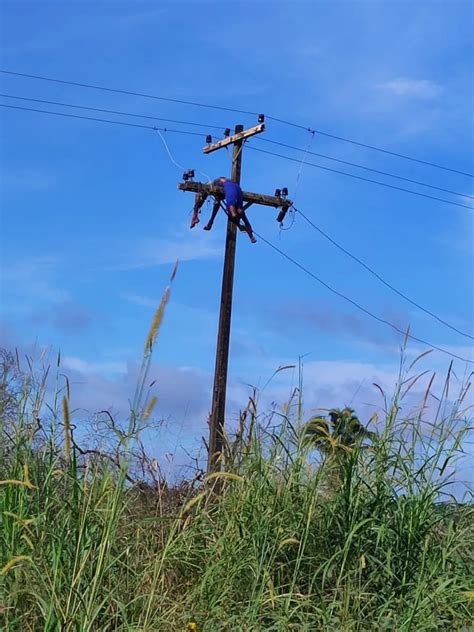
216,420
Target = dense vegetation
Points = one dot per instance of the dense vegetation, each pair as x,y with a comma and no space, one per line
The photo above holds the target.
317,526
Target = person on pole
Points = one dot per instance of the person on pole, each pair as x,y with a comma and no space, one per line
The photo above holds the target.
199,200
234,204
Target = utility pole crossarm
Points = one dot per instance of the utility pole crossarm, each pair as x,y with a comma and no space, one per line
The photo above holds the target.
253,198
237,137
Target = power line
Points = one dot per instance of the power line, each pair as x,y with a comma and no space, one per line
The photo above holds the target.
352,175
380,278
154,128
121,113
354,164
358,306
264,151
101,120
207,126
373,147
129,92
227,109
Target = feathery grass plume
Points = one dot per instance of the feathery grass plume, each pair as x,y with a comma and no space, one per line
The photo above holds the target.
67,429
147,353
13,562
150,407
12,481
156,323
175,270
158,318
24,483
224,475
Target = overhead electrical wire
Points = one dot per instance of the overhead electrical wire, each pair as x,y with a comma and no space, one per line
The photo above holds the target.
367,146
379,277
354,164
118,112
358,305
264,151
238,111
334,291
129,92
208,126
101,120
353,175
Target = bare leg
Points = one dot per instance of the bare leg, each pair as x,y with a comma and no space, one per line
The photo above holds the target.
199,201
233,214
215,210
248,226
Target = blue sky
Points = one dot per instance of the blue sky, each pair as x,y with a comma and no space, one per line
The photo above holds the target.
92,221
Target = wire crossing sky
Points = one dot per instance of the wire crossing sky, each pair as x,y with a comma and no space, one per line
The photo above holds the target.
380,278
228,109
369,126
368,268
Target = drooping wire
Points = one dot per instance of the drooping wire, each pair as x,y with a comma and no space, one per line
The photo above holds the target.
298,176
154,128
379,277
358,305
228,109
189,133
292,214
352,175
168,151
267,140
354,164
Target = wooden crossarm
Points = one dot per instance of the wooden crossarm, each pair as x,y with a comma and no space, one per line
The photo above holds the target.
234,138
254,198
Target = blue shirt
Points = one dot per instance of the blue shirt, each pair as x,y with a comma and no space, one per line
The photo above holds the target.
233,194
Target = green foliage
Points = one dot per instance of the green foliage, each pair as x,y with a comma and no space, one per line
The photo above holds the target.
281,547
344,430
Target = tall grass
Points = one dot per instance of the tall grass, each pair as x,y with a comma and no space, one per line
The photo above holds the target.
361,537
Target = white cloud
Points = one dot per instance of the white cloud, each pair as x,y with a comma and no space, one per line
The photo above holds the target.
412,88
77,364
185,246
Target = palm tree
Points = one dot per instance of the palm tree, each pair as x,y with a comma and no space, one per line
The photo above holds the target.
343,431
337,439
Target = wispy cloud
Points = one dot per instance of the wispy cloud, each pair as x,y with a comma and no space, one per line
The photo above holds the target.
331,320
66,316
27,180
140,299
412,88
83,27
149,253
32,278
73,363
